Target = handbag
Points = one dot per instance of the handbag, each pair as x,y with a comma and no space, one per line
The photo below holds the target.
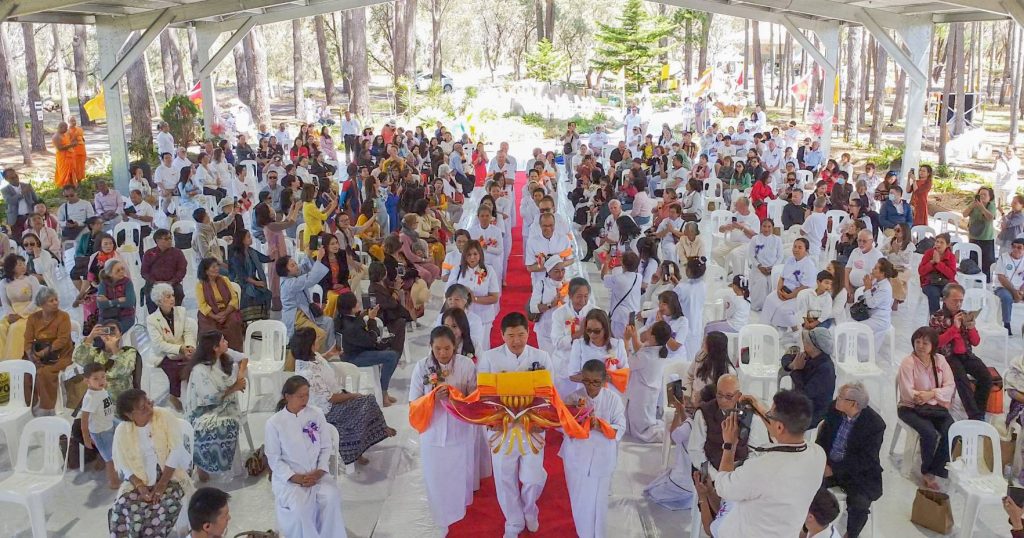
257,462
859,310
936,278
932,510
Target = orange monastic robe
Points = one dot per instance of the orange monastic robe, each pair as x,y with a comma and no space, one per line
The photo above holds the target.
78,154
64,174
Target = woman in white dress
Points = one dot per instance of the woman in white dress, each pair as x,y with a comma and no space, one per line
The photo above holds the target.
505,209
597,343
299,448
691,293
670,311
798,274
490,237
647,363
878,297
482,281
458,297
765,252
548,295
736,309
624,290
674,489
448,443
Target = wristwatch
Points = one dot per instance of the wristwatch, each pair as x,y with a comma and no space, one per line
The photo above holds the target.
726,446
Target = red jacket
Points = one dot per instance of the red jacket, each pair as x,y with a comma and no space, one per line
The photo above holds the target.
946,266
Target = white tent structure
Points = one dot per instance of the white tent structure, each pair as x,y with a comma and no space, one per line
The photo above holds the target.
124,29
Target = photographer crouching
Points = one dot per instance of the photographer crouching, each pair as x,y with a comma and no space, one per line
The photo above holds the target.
719,401
768,496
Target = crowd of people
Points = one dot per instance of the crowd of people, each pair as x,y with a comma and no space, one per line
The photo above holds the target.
342,232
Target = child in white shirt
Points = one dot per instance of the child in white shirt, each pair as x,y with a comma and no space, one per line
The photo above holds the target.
98,419
737,308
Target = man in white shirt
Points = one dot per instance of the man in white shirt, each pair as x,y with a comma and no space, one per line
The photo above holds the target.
675,178
567,326
1009,271
350,132
598,141
166,178
816,226
140,211
282,136
631,120
768,496
72,214
501,163
181,161
669,230
164,139
1005,170
545,245
862,261
562,227
791,135
518,504
772,160
739,232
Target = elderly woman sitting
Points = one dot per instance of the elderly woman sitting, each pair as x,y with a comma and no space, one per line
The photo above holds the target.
103,345
211,403
48,345
172,334
218,303
150,455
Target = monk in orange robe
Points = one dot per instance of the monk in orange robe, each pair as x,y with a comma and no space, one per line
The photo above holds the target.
78,150
64,145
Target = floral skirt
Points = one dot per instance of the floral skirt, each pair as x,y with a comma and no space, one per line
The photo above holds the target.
216,441
131,517
360,425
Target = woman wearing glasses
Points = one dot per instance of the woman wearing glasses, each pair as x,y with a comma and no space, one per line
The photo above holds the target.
597,343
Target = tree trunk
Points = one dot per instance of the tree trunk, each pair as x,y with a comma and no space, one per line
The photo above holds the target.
549,20
154,109
341,49
758,65
878,96
139,106
32,78
868,53
854,36
298,73
959,120
702,53
687,50
256,60
946,91
325,59
991,63
242,75
746,52
435,39
79,48
62,86
538,8
170,61
1015,95
404,46
1009,55
193,55
355,37
899,96
10,113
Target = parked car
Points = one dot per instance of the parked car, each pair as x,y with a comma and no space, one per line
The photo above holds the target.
424,80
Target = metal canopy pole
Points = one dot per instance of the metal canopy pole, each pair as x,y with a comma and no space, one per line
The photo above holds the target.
917,39
110,37
829,36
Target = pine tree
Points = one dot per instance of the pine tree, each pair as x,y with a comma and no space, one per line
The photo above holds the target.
632,45
545,64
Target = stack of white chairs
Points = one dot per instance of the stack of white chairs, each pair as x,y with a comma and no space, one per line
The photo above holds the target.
266,356
849,339
32,486
762,344
16,413
967,474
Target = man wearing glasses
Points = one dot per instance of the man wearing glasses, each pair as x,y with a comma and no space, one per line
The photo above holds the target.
706,440
72,214
768,495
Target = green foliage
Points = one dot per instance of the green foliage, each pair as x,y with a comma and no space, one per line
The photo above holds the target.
885,156
554,128
944,185
472,92
632,45
182,116
546,64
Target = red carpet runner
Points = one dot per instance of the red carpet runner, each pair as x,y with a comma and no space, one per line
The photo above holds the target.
483,517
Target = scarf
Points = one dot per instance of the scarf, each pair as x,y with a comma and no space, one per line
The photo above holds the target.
222,289
126,446
1013,378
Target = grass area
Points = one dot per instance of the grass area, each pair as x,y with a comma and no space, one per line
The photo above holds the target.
555,128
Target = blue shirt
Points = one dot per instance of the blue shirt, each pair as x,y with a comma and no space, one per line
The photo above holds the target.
455,162
813,158
838,451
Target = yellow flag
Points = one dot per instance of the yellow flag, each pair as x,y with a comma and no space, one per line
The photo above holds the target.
835,94
664,71
96,108
703,84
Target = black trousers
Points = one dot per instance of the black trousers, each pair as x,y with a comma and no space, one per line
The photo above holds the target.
858,505
350,147
590,235
934,431
975,400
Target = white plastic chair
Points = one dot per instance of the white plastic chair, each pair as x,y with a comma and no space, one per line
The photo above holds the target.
947,221
775,211
300,234
967,473
978,281
803,177
847,338
132,236
966,250
348,374
713,193
912,443
762,341
250,169
316,294
266,356
715,277
717,219
918,233
29,486
987,321
840,496
138,338
16,413
673,371
838,218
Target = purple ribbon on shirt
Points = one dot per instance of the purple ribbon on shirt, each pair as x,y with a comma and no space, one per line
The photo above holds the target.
311,431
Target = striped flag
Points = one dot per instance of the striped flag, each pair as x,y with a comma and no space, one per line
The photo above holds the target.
801,88
703,84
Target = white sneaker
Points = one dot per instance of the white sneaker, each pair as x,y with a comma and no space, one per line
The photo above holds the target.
532,524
